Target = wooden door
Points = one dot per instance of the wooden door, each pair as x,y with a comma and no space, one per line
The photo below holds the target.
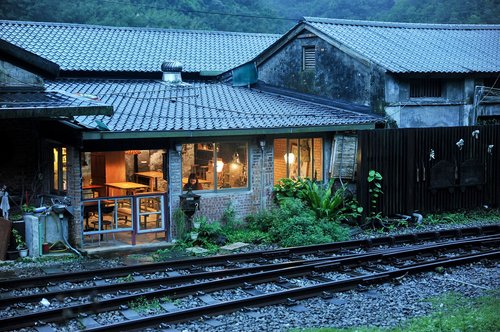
98,171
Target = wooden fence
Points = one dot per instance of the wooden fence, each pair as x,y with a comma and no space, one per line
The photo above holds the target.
431,169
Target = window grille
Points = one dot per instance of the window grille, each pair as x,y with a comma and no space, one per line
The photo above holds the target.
309,58
426,87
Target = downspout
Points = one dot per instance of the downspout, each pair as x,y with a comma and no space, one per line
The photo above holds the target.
262,144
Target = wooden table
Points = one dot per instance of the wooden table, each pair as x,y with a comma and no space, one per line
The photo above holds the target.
94,188
152,176
129,187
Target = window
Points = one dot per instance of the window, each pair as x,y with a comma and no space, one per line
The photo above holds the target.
59,175
309,58
426,87
343,157
105,173
295,158
217,166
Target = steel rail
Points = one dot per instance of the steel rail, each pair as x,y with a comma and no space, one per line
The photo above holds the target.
174,280
244,257
282,296
324,265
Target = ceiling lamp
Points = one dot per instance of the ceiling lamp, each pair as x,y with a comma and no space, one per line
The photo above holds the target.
220,165
289,158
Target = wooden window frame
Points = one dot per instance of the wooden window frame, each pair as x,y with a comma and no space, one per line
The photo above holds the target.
308,59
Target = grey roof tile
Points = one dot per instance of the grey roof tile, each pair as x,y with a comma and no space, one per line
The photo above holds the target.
150,105
417,47
46,104
77,47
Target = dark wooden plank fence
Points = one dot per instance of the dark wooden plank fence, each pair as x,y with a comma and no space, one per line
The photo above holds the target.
403,158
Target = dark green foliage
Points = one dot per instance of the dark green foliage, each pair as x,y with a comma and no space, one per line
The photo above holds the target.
287,188
294,224
206,15
322,199
246,235
375,188
178,14
179,219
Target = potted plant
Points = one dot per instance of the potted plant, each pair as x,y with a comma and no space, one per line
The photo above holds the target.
20,244
27,209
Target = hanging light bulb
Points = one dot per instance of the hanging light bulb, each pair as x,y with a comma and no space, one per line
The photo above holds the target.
220,165
289,158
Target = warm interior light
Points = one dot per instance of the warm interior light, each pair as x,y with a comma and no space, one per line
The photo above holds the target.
289,158
220,165
133,152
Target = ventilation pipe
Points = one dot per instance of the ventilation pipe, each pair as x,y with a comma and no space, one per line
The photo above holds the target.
171,71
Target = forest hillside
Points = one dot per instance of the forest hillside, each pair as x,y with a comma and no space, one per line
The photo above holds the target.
269,16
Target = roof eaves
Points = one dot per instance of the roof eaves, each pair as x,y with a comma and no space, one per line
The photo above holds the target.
404,25
114,135
282,41
107,27
29,60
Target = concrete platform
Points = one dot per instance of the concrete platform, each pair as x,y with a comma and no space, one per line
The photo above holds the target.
124,249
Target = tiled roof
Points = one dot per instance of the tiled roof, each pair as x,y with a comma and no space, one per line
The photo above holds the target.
150,105
76,47
46,104
415,47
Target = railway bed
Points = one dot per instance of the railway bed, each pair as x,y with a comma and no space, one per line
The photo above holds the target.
294,280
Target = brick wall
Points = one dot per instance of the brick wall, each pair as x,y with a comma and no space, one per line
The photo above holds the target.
245,201
74,193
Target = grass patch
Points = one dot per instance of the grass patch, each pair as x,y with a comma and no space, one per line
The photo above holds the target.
463,217
453,313
144,305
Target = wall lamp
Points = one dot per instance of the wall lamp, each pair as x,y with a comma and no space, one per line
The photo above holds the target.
262,144
178,148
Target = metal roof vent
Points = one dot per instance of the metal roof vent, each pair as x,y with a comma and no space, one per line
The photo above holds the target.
171,71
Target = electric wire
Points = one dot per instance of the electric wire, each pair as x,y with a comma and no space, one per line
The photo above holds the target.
190,11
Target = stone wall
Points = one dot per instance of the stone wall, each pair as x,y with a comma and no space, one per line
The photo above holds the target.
338,75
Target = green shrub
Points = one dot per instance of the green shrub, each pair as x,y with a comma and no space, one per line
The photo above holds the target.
209,234
262,220
286,188
321,198
180,224
294,225
247,235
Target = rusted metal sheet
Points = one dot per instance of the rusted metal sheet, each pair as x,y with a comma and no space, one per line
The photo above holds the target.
432,169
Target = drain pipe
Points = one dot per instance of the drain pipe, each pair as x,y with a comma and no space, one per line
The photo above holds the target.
65,240
262,144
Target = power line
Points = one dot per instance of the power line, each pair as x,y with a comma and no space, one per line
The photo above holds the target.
202,11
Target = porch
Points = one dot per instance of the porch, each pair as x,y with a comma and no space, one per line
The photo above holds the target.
125,220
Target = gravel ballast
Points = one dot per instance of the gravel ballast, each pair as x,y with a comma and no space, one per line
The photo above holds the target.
389,304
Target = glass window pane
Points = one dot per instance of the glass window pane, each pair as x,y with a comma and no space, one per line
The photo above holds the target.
280,166
292,158
232,165
64,169
290,161
305,158
198,163
318,158
55,153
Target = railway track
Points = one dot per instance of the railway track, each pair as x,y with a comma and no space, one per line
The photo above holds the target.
260,257
377,265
